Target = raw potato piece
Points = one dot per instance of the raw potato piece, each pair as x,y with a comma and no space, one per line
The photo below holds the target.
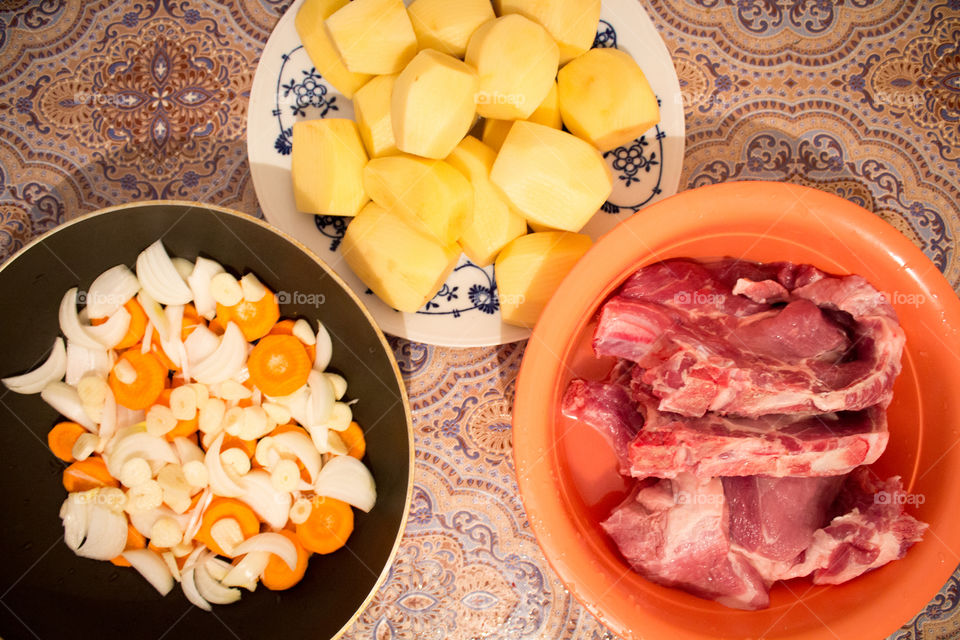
327,165
548,113
605,98
516,60
402,266
430,195
447,26
572,23
373,36
433,104
371,107
324,55
494,222
551,177
530,269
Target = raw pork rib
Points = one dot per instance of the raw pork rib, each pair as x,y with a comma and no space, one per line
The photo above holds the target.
745,400
676,533
715,445
829,344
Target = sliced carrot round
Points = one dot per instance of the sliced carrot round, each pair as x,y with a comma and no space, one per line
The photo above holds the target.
62,437
151,378
328,527
254,319
226,508
279,365
84,475
138,324
353,438
285,328
277,575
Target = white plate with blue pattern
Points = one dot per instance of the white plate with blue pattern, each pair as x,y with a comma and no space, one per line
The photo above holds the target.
465,312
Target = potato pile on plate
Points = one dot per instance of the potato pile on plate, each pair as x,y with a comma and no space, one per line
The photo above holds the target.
420,188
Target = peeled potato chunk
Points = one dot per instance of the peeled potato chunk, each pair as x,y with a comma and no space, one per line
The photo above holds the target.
551,177
402,266
548,113
530,269
433,104
373,36
447,26
371,107
572,23
494,222
516,60
319,46
327,165
430,195
605,98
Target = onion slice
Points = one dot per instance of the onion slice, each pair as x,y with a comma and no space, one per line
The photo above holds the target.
75,514
82,360
66,401
172,345
220,481
110,333
346,478
199,281
53,369
324,348
108,419
110,291
271,505
300,445
211,590
247,571
196,516
187,450
200,343
159,277
152,567
156,316
138,444
70,324
274,543
187,581
228,359
106,534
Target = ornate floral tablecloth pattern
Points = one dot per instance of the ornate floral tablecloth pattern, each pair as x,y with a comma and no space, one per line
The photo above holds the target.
104,101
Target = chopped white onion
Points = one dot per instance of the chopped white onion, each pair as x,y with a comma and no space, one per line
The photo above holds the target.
52,369
129,417
196,515
110,291
187,450
143,521
66,401
217,568
304,332
211,590
247,571
172,345
274,543
76,517
300,445
157,318
140,445
110,333
271,505
152,567
321,399
183,266
339,384
159,278
324,349
226,361
199,281
106,534
82,360
220,481
70,324
189,586
346,478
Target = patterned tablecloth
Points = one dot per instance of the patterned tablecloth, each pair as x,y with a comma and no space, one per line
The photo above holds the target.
104,101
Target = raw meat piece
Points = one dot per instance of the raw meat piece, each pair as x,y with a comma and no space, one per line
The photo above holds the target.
776,518
874,532
836,347
675,533
772,445
712,446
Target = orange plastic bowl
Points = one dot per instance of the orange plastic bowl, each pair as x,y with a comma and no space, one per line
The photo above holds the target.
567,474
